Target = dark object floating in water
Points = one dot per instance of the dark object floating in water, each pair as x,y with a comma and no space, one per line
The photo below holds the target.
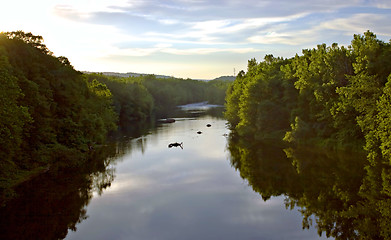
176,144
208,125
90,146
167,120
199,132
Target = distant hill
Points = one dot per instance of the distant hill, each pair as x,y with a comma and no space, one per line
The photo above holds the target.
132,74
129,74
226,78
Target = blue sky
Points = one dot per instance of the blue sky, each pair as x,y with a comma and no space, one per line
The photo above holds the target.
190,38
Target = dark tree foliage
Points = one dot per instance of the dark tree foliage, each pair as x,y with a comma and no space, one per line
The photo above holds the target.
131,99
32,40
171,92
328,96
50,113
333,98
139,98
261,100
65,197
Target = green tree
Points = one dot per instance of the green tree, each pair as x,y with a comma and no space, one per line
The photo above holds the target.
234,92
49,114
259,101
382,128
319,72
13,117
35,41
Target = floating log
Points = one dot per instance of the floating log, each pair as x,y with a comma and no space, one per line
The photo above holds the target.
167,120
176,144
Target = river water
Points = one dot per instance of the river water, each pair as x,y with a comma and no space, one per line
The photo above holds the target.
185,193
148,191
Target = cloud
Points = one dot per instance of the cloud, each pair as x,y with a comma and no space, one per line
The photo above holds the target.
210,22
228,27
201,23
194,29
284,35
359,23
204,51
275,38
97,6
180,11
385,4
166,48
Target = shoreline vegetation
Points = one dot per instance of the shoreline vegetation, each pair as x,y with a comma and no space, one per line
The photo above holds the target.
331,97
332,100
51,115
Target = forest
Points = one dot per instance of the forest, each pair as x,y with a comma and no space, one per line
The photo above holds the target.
329,101
51,115
330,96
143,97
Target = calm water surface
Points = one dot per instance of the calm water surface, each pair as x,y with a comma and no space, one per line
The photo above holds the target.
190,193
144,190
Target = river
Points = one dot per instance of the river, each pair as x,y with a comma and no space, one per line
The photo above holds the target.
205,188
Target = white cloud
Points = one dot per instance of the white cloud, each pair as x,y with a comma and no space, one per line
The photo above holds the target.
237,25
165,48
87,31
204,51
273,38
385,4
217,32
282,36
169,21
90,6
359,23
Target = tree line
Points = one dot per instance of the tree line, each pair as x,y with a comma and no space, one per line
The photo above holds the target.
51,114
330,96
143,97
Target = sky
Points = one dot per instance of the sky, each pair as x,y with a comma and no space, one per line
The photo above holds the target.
195,39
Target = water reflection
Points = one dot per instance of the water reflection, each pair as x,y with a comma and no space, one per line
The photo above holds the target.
339,194
189,193
138,188
49,205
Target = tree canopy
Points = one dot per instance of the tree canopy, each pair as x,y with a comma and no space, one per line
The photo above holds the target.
329,97
50,113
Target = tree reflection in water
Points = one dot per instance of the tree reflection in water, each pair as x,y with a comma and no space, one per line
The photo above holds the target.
341,194
50,204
